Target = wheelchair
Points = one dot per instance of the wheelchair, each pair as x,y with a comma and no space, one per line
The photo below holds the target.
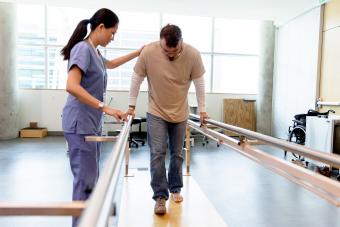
297,132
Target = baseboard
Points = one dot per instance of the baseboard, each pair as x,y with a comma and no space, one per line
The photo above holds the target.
55,133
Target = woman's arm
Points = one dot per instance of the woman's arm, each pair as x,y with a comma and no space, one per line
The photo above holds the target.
74,88
123,59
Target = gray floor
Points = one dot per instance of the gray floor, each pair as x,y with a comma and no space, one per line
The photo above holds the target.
243,192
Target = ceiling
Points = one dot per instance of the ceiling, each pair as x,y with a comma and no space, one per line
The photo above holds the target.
277,10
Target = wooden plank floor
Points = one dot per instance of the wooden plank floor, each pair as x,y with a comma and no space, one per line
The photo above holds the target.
137,206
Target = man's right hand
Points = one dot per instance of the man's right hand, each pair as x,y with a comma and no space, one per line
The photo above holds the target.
131,111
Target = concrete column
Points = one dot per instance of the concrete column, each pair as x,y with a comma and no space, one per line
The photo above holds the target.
265,84
8,84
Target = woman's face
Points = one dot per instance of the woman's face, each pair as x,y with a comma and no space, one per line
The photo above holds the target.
107,35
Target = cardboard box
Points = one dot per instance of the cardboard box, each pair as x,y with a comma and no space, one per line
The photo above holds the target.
33,124
33,132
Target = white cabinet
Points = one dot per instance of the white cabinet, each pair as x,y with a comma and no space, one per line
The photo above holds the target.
320,132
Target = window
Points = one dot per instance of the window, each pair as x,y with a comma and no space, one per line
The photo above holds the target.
236,36
31,22
30,51
119,78
236,47
31,67
61,22
235,74
226,46
40,64
136,30
195,30
56,69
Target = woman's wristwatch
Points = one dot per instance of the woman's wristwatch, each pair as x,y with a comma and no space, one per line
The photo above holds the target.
101,106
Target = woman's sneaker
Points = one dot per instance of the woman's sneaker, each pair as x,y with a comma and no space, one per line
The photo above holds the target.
160,206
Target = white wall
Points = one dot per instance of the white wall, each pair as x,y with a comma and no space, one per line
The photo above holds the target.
42,106
296,70
45,106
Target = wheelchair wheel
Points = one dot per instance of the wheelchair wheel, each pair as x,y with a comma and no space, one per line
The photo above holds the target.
298,136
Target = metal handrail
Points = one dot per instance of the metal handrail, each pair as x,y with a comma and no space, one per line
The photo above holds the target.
100,204
320,185
73,208
333,160
101,138
328,103
320,103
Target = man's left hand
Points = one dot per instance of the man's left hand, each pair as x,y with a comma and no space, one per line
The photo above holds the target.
203,117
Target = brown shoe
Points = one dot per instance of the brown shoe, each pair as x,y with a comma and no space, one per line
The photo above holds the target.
160,206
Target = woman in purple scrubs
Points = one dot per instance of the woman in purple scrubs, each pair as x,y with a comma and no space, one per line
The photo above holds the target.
86,85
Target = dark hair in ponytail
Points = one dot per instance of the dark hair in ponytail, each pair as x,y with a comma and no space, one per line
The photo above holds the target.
102,16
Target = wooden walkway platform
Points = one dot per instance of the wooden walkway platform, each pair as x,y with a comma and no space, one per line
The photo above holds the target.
137,206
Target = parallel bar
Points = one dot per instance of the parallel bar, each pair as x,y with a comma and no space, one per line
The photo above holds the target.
320,103
101,138
212,134
332,159
42,209
187,151
100,204
127,158
322,186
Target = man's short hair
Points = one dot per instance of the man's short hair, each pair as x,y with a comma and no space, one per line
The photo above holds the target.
172,35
